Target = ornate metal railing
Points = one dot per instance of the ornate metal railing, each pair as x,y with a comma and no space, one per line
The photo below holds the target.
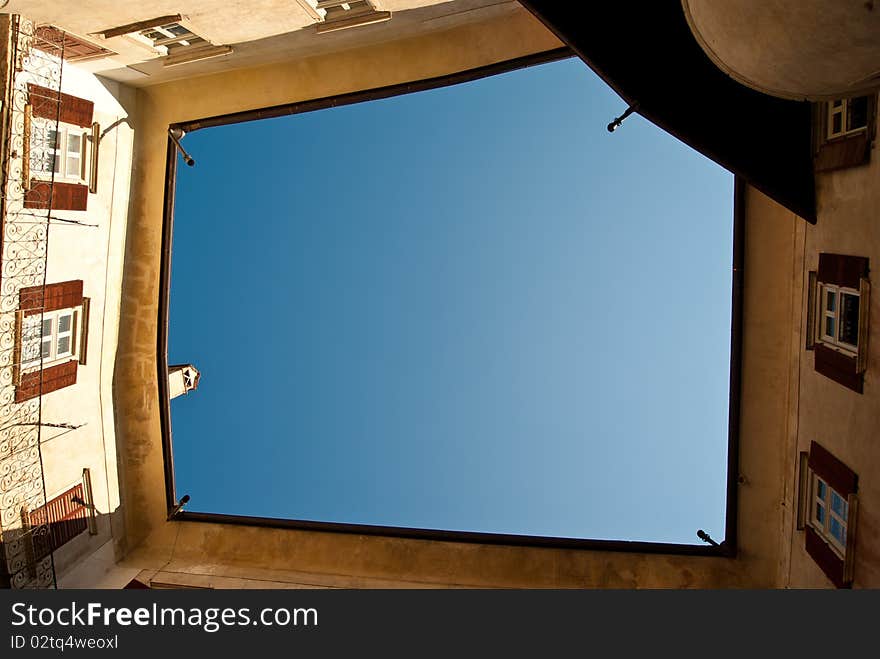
25,230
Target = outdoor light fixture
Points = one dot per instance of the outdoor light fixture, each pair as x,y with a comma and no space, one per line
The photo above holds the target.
619,120
176,134
183,501
705,537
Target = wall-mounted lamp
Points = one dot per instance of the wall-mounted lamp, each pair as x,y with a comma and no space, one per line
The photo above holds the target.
180,504
614,125
176,134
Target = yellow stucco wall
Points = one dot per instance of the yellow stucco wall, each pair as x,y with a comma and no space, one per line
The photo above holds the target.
237,555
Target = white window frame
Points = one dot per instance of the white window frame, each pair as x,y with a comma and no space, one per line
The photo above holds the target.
842,110
823,527
37,322
823,314
59,153
170,42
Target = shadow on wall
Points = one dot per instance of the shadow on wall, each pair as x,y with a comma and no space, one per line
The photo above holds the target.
55,540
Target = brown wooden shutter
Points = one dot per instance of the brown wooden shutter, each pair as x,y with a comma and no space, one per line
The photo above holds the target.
832,471
58,522
52,378
73,109
65,196
74,48
830,562
842,270
841,368
64,295
843,152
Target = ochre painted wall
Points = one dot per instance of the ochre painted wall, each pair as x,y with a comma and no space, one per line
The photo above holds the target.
238,555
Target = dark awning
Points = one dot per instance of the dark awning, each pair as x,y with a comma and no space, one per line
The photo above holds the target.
645,51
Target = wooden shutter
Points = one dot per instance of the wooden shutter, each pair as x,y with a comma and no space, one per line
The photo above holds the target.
832,564
832,471
72,109
50,40
64,196
845,482
64,295
841,368
842,270
843,152
52,378
58,522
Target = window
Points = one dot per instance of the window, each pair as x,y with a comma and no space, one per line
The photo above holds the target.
828,516
844,131
838,318
170,38
847,116
338,14
49,337
52,333
828,492
58,151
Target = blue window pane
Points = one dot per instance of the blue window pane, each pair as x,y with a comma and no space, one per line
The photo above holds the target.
838,505
821,489
820,514
829,326
837,531
831,299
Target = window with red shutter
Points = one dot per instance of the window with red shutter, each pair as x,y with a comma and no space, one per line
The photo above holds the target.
58,521
51,338
844,132
838,318
830,503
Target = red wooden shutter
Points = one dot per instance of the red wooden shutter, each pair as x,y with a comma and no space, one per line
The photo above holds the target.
73,109
49,379
58,522
65,196
838,367
842,270
843,152
845,481
64,295
50,39
819,551
832,471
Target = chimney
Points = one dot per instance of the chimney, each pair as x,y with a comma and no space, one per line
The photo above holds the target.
182,378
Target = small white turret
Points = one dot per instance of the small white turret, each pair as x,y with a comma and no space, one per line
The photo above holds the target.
182,378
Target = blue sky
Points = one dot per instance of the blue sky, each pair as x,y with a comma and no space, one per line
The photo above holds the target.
471,309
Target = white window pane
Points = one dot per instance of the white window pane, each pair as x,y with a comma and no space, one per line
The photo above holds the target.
47,349
73,166
64,322
64,345
74,144
47,327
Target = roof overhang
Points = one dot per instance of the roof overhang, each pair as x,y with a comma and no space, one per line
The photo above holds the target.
650,57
